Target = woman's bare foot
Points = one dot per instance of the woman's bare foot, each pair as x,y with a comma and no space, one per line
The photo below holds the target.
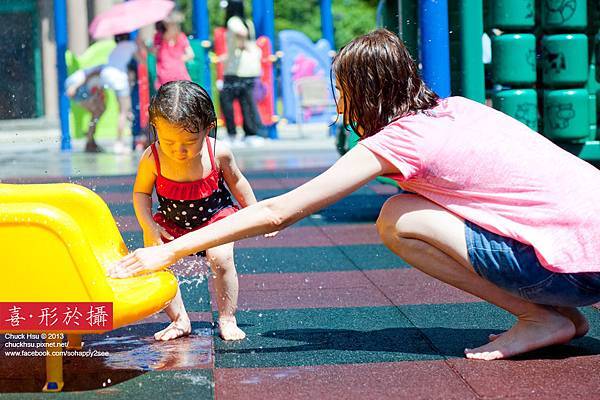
228,329
527,335
577,318
582,325
178,328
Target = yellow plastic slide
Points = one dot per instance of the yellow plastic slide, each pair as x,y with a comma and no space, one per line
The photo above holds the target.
56,241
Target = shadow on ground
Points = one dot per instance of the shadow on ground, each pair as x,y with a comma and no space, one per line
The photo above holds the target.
442,341
132,351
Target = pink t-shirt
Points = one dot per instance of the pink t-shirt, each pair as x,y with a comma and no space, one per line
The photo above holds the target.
169,63
494,171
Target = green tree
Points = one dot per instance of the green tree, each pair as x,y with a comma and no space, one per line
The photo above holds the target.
351,17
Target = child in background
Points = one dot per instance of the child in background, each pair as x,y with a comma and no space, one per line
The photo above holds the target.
172,50
189,179
86,88
115,76
496,210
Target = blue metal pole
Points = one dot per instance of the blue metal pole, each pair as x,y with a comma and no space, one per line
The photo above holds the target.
327,22
201,25
435,53
263,15
61,35
258,16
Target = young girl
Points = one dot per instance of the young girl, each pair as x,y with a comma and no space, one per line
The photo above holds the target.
189,179
498,210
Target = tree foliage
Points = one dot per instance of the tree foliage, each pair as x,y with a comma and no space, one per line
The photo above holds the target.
351,17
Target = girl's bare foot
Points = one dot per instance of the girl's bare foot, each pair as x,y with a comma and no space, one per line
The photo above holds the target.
228,329
526,335
178,328
577,318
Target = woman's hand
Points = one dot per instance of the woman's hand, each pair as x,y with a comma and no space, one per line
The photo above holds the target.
143,261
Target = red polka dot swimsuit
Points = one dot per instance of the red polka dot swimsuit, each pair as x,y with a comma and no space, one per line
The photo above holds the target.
186,206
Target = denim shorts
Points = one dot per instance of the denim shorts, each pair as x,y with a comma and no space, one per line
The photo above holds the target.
513,266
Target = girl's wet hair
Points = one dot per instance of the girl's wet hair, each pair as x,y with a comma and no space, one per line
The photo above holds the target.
380,82
184,104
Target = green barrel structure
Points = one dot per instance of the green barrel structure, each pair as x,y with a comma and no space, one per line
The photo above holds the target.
566,114
514,59
545,64
565,60
561,15
597,53
471,29
593,115
512,14
593,87
520,104
568,103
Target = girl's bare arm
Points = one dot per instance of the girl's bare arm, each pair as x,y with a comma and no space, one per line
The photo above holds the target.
236,182
142,189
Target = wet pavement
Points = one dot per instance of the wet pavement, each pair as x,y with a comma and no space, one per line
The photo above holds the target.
329,312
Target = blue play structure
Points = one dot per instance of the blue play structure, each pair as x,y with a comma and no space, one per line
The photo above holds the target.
303,58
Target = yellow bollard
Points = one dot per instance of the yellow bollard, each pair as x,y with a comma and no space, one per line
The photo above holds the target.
54,366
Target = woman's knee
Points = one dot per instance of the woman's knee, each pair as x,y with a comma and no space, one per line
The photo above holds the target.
390,223
406,218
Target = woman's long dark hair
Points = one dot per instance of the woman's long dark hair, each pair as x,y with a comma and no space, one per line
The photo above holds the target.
380,82
235,8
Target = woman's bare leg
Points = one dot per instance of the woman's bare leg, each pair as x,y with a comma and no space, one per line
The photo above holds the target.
582,326
432,240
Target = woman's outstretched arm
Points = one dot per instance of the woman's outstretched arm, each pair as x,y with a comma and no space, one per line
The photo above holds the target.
349,173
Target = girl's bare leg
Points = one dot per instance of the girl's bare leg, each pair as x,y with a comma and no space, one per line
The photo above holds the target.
226,288
432,240
181,325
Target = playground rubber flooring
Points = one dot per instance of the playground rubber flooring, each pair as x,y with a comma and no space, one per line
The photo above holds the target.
329,312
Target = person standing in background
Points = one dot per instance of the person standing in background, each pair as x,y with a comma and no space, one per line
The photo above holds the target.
242,65
172,49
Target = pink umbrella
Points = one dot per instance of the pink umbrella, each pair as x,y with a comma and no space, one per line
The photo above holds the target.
129,16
